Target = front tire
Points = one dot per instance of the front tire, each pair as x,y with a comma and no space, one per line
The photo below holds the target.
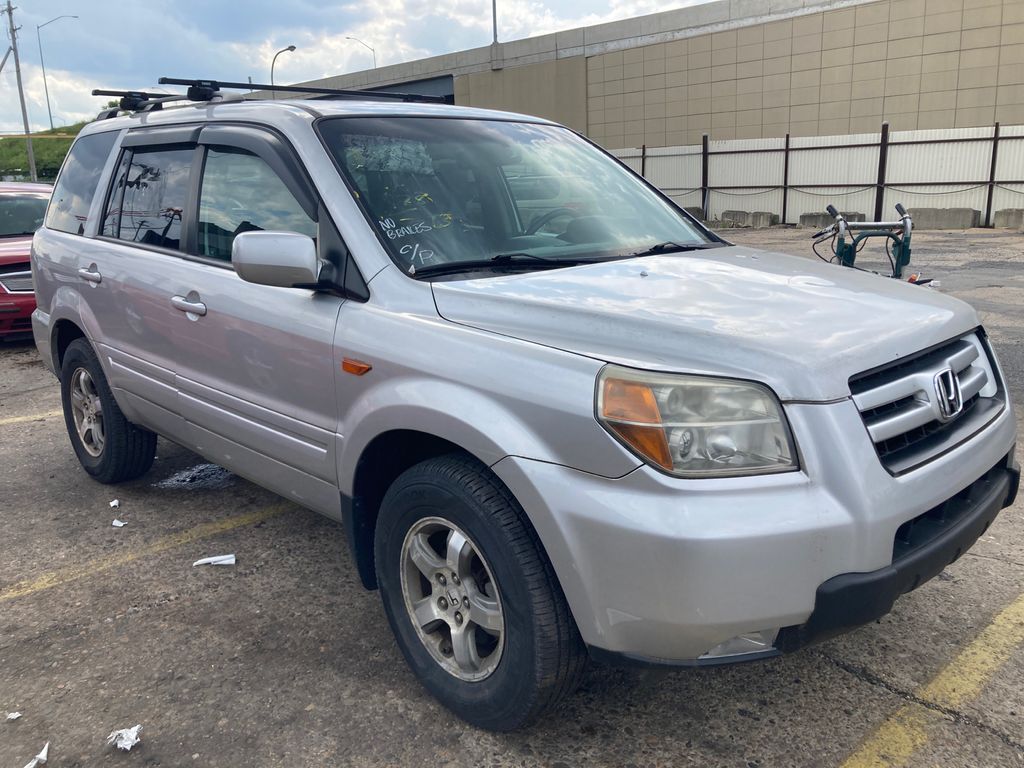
473,602
109,447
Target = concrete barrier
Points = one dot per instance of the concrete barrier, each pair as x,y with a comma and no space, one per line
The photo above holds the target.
822,220
696,211
735,218
1009,218
945,218
761,219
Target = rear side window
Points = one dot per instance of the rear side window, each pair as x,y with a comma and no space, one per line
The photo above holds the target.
241,193
72,197
149,198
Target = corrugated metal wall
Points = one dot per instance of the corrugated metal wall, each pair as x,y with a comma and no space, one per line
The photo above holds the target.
946,168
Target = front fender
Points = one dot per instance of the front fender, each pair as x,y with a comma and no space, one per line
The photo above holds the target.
482,424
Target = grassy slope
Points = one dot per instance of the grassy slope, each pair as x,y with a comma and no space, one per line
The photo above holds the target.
49,152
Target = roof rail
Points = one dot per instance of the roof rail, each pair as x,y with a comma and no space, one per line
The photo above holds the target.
203,86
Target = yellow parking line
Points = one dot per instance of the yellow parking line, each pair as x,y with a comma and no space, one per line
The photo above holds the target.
101,564
34,417
962,680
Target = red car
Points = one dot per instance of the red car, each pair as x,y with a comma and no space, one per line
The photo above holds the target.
22,207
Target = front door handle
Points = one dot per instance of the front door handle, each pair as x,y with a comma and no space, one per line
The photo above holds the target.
90,274
189,304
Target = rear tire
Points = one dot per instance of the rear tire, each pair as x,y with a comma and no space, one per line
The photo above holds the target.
525,653
109,447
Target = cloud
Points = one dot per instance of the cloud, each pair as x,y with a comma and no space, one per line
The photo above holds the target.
128,46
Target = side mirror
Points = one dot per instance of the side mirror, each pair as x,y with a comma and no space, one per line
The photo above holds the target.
282,259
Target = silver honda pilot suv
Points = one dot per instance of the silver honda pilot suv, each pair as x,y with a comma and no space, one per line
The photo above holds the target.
557,417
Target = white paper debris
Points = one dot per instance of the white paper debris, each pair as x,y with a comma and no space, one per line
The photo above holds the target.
39,759
119,523
126,738
115,504
216,560
13,715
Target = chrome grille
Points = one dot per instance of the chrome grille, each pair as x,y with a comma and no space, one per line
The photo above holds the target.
912,417
17,282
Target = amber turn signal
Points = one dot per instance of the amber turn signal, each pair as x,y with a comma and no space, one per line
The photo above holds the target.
355,367
630,409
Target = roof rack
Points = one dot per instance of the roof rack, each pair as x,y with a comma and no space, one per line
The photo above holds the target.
197,88
208,90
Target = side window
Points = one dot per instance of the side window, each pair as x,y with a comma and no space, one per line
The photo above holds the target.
154,196
241,193
72,197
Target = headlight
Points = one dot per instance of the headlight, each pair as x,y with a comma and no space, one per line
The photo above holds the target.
696,426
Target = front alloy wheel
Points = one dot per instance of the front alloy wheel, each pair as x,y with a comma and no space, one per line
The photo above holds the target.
452,599
471,597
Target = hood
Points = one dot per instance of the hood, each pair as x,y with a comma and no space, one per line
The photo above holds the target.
800,326
14,250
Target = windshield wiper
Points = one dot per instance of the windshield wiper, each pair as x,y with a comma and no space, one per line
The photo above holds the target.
499,262
671,247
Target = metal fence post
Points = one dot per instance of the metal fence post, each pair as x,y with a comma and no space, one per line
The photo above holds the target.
785,179
704,192
992,175
643,160
883,156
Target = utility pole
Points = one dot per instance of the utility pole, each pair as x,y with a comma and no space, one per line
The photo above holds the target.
21,91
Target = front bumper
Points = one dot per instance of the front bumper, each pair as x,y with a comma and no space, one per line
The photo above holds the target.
943,535
16,314
661,570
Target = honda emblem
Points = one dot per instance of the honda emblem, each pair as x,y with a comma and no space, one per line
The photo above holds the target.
947,390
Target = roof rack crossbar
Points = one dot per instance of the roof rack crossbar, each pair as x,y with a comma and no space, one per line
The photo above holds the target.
136,101
216,85
145,101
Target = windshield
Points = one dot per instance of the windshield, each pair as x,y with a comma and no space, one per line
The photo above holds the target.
445,191
21,213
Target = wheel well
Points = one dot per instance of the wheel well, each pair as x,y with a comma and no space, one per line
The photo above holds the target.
380,464
63,334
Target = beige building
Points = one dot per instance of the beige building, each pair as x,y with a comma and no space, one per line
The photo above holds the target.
747,69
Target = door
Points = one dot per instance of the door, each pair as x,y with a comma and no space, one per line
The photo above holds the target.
140,237
254,364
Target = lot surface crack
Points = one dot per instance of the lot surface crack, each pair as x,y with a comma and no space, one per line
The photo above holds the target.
997,559
869,677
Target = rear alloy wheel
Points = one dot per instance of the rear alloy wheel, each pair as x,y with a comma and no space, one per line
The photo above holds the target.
87,412
109,447
473,602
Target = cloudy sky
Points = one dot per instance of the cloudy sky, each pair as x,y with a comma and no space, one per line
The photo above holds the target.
130,43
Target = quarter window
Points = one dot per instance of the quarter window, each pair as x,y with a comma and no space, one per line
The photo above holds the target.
241,193
154,198
72,197
112,217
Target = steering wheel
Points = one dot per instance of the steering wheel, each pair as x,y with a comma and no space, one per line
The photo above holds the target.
540,221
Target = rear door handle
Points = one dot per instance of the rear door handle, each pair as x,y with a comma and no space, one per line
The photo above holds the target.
190,305
90,274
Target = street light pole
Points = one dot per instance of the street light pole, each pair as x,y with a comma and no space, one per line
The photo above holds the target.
368,47
273,61
494,19
9,10
39,39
